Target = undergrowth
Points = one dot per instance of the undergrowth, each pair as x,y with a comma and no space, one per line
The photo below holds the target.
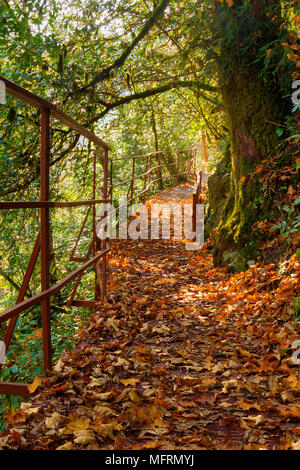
24,359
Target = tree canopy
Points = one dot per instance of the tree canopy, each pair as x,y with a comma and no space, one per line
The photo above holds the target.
92,58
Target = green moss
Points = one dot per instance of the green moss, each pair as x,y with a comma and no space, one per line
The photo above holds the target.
217,192
251,108
297,308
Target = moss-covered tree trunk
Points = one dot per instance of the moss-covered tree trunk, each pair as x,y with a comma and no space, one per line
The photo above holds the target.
253,102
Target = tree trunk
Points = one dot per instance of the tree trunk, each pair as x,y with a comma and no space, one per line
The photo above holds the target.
253,102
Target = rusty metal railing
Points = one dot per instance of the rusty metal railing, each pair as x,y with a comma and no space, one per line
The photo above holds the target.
196,200
98,249
96,255
187,170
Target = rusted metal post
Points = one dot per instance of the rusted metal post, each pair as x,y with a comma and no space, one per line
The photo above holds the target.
200,185
149,176
205,151
132,179
160,183
196,200
45,236
94,206
111,181
194,212
96,243
145,178
104,266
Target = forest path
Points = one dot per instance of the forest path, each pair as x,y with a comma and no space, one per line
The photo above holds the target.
181,193
181,355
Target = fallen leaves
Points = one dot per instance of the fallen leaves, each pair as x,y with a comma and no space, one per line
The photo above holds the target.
229,384
129,381
292,411
181,355
52,422
84,437
35,384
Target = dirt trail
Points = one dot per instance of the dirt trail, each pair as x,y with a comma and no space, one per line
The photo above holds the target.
181,356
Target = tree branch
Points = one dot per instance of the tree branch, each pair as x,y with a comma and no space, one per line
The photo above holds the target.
152,92
34,174
9,279
104,74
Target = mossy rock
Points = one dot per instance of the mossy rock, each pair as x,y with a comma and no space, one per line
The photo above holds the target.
235,260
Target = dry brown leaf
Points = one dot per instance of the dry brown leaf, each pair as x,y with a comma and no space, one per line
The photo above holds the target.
84,437
129,381
51,422
35,384
229,384
66,446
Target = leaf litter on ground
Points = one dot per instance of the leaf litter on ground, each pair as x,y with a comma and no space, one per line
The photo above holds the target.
181,355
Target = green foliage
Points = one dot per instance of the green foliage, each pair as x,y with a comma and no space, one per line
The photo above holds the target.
24,359
57,49
297,308
292,223
258,37
290,128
